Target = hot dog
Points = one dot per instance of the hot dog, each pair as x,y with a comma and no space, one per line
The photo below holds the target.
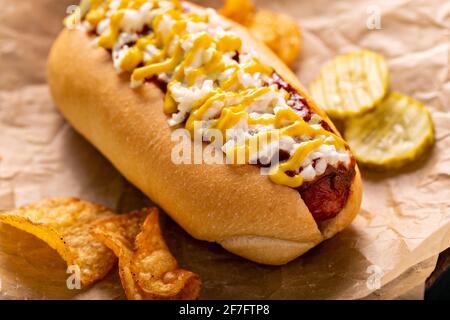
134,72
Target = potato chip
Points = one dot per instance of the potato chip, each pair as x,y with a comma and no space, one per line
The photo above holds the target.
240,11
279,32
156,270
147,268
118,234
64,224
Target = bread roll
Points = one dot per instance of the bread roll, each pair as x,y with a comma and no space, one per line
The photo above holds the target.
233,205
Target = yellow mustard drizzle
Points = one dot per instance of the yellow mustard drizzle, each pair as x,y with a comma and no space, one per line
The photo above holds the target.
227,103
278,173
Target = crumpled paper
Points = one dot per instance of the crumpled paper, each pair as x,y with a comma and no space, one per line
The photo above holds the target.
404,222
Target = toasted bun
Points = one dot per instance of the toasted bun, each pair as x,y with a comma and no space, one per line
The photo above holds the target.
233,205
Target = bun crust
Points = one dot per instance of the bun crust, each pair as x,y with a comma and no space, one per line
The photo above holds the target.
233,205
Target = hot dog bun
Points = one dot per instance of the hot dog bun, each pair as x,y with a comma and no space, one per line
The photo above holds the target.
234,206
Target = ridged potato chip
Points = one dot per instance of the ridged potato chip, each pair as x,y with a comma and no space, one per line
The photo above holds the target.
64,224
147,268
278,31
118,234
351,84
240,11
395,133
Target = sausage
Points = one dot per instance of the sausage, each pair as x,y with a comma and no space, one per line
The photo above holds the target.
326,196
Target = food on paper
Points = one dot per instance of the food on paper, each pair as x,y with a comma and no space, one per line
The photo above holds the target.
182,66
147,268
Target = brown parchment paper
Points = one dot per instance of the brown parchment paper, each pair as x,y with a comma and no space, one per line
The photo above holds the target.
405,218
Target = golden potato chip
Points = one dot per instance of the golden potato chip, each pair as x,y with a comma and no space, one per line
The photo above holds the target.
155,269
64,224
279,32
240,11
119,234
147,268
